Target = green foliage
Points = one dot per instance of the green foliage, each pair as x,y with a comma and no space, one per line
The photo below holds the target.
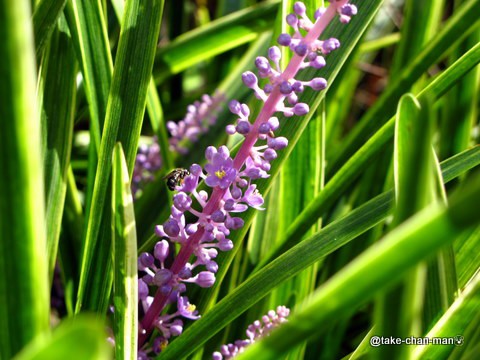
370,225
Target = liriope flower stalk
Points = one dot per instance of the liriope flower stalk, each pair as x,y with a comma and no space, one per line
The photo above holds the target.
231,179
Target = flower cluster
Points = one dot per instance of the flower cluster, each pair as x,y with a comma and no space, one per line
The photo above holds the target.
233,191
201,115
147,162
254,331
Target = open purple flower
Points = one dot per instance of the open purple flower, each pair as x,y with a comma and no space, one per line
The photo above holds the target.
220,170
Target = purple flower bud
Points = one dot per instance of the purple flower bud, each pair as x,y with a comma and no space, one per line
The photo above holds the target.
243,127
299,8
162,277
249,79
292,98
274,123
264,128
312,55
245,110
301,109
142,290
171,227
285,88
270,154
215,356
145,260
185,273
224,151
195,169
318,63
229,205
191,229
209,152
176,330
274,53
262,65
205,279
301,49
329,45
148,279
230,129
292,20
348,10
318,84
268,88
236,193
297,87
218,216
277,143
234,107
284,39
212,266
225,245
182,202
161,250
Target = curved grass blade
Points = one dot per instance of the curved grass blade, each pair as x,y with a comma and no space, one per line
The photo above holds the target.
81,339
126,107
125,288
59,96
454,323
311,250
44,19
215,38
24,300
377,268
462,22
399,310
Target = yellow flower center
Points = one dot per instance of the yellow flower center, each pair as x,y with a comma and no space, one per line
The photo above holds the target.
220,174
191,308
163,345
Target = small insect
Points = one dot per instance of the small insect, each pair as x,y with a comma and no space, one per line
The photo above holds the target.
176,177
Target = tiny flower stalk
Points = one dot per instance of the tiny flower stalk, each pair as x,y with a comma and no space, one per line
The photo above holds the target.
231,179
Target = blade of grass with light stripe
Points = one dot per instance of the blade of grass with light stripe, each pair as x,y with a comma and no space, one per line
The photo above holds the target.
378,268
462,22
24,301
300,257
81,339
125,111
59,96
215,38
125,287
44,19
398,311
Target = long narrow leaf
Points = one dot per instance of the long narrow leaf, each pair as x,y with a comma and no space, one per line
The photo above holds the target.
125,290
24,302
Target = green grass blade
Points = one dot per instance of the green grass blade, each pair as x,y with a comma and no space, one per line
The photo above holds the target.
300,257
462,22
24,301
45,16
398,311
81,339
125,288
89,34
58,107
126,107
215,38
376,269
454,322
467,256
